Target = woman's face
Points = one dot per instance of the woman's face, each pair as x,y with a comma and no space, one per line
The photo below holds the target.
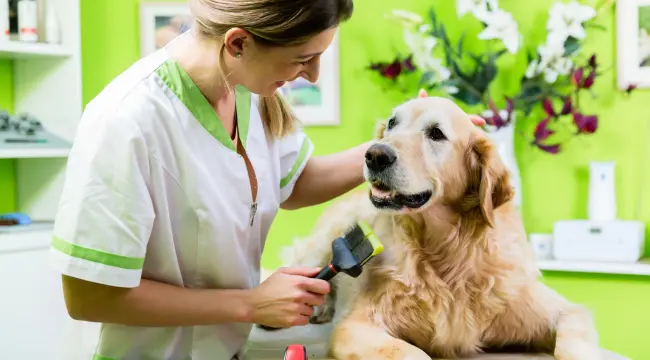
264,69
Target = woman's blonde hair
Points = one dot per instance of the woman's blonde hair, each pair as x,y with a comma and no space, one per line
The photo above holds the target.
272,23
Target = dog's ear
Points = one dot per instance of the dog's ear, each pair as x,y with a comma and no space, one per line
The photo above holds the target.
489,177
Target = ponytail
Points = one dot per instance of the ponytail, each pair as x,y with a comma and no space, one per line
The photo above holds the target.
277,115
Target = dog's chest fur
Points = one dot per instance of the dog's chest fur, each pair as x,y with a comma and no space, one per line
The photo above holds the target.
434,297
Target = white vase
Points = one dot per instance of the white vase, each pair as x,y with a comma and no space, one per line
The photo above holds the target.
504,140
602,191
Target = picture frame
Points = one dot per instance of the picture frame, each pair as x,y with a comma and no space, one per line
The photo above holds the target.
318,104
633,43
160,22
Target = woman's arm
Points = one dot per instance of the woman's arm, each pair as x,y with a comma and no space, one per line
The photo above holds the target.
284,299
153,304
326,177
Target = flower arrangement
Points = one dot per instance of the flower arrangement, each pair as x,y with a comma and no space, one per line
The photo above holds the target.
556,76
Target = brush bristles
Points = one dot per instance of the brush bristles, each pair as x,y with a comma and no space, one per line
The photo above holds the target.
363,251
354,237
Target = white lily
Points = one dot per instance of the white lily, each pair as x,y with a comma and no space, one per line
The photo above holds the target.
501,25
566,19
405,18
478,8
552,60
421,46
533,69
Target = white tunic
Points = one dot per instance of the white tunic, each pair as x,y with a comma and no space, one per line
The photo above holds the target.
155,189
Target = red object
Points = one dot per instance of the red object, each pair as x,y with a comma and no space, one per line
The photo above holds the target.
295,352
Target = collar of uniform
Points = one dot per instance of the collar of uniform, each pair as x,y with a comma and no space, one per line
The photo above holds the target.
180,83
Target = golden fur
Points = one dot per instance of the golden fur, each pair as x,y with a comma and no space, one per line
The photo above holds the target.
457,276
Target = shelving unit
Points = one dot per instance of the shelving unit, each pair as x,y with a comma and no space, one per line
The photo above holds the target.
640,268
47,85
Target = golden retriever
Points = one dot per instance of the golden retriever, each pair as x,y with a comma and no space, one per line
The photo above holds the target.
457,276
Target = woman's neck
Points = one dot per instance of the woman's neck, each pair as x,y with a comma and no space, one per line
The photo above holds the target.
200,60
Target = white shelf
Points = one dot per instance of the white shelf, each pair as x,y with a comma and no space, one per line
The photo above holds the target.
25,50
51,147
640,268
35,152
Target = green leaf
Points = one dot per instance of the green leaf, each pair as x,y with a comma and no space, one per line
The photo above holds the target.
530,96
571,45
529,56
460,44
426,78
466,96
595,26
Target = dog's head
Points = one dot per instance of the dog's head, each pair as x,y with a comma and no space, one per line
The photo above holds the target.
429,151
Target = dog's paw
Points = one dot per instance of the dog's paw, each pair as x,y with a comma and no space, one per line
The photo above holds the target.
579,350
323,314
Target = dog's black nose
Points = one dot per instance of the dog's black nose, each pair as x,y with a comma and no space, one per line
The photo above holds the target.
379,157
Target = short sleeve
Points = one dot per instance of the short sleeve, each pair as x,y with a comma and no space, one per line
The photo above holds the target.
295,151
105,213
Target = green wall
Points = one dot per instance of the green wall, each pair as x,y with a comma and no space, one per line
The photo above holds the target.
555,187
7,183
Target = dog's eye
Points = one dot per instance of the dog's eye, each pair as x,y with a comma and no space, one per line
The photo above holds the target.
391,123
436,134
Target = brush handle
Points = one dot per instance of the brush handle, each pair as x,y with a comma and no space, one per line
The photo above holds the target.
326,273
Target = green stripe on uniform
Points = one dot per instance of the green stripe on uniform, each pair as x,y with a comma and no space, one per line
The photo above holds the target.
97,256
182,85
301,157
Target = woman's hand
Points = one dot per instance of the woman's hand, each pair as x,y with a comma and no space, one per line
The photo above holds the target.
287,297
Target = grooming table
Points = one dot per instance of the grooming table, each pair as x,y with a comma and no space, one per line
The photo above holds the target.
264,345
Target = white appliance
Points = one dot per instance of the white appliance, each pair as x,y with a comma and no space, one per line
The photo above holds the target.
605,241
602,191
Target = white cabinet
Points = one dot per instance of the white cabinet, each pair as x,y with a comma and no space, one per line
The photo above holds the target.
33,318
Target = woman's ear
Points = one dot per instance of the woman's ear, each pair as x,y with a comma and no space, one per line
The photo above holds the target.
234,41
493,179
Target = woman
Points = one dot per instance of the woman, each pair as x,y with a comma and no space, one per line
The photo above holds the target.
177,172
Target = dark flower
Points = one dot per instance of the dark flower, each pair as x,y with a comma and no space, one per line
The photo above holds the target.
496,119
388,70
551,149
592,62
576,77
542,132
589,81
547,104
586,124
408,64
567,107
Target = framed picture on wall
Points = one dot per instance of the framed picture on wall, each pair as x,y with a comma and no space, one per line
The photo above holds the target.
318,104
160,22
633,43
